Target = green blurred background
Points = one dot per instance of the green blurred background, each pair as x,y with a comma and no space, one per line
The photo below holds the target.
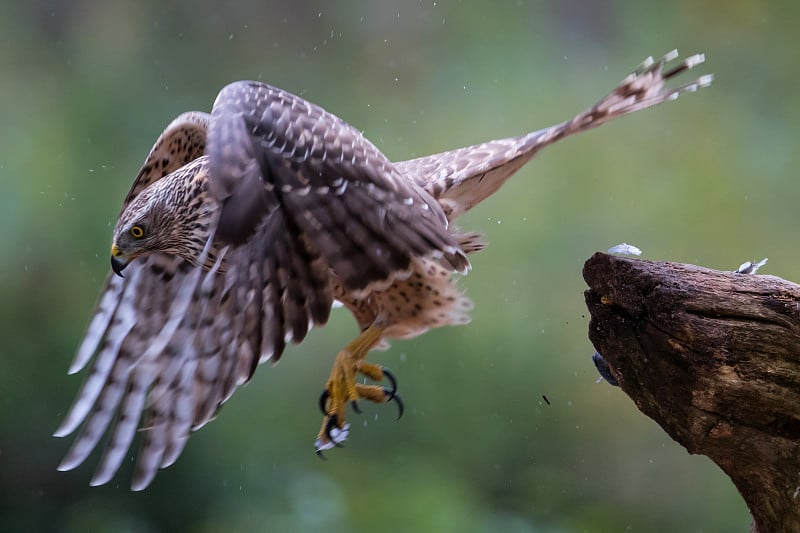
86,87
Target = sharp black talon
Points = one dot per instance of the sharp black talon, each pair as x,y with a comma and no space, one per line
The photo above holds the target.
356,408
391,378
329,425
323,399
321,455
399,401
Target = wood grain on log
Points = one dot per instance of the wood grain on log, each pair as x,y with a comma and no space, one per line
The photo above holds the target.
714,358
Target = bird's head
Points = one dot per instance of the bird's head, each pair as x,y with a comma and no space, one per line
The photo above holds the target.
171,216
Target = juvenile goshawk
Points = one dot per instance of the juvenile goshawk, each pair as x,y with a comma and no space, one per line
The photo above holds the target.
241,230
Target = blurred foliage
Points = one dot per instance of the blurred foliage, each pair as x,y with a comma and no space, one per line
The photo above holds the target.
710,179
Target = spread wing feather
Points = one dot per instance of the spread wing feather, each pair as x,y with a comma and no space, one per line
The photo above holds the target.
270,150
127,378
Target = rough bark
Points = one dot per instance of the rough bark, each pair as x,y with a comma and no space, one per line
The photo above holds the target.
714,358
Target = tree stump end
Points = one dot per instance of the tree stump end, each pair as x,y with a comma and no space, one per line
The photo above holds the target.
714,358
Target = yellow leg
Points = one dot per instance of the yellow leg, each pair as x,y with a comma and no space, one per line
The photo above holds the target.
342,388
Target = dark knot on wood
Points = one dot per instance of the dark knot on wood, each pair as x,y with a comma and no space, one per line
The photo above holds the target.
714,358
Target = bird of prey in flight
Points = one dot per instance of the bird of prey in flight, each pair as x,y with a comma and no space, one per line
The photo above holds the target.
245,225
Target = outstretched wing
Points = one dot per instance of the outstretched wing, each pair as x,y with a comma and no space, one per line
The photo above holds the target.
177,374
274,155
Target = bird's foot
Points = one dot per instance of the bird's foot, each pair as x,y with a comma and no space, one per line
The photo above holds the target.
342,389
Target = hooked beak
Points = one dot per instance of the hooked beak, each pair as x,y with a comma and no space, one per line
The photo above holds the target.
118,261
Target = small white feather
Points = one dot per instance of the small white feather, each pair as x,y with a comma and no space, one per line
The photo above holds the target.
625,249
749,267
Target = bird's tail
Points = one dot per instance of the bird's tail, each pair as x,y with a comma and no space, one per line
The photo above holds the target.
462,178
644,88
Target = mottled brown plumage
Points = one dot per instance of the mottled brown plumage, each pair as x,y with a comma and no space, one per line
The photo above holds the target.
241,229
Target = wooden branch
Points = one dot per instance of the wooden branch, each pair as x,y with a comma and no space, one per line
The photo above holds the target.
714,358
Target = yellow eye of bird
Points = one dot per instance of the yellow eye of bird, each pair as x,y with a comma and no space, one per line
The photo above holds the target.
137,232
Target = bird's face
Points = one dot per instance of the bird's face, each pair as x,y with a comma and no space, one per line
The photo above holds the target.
140,231
171,216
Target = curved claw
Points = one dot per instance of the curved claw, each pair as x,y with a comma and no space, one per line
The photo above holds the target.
393,380
329,425
323,399
354,405
399,401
